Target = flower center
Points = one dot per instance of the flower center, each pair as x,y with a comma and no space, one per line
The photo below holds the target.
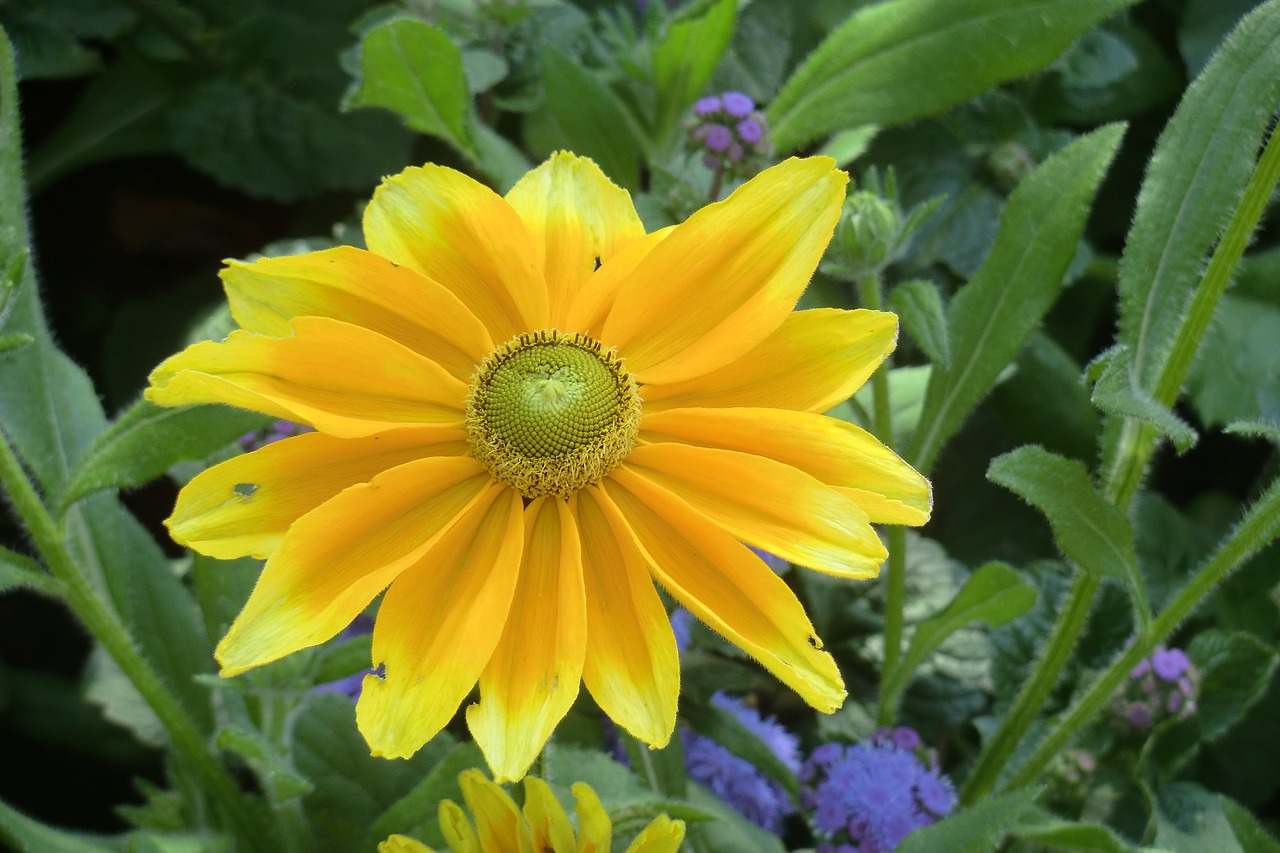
549,413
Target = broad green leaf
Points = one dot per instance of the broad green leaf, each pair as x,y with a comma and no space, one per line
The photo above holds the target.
222,587
662,770
894,62
992,315
147,439
1189,819
686,56
1237,366
1252,837
1235,671
919,306
275,774
415,70
1047,829
497,157
1088,529
1200,166
1117,392
25,835
416,813
995,594
1045,403
107,687
978,828
589,119
848,145
724,728
728,830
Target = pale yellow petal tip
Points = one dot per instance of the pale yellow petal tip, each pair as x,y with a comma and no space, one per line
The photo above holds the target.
403,844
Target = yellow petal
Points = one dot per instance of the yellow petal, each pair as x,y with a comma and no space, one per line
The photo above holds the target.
578,218
547,819
727,587
336,558
437,627
456,828
839,454
462,234
765,503
595,830
363,289
729,275
593,302
662,835
814,360
632,666
242,507
403,844
343,380
534,674
499,824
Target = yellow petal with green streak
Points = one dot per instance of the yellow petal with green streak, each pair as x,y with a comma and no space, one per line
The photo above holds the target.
814,360
437,626
456,828
595,830
462,234
726,586
336,558
839,454
729,275
343,380
499,824
547,819
535,672
362,289
578,218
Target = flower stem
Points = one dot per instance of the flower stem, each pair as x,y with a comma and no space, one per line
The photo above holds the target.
104,625
1132,453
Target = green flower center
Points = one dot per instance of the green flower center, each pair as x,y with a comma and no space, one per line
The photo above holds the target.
550,413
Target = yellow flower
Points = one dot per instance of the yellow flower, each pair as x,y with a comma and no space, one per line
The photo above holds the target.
501,827
527,411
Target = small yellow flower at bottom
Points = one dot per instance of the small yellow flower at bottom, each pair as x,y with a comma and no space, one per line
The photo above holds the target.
501,827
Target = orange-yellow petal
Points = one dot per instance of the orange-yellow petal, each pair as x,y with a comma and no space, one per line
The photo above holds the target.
814,360
336,558
344,380
363,289
456,828
242,507
632,667
547,819
535,672
462,234
765,503
727,587
662,835
438,624
499,824
729,275
595,299
578,218
403,844
838,453
595,830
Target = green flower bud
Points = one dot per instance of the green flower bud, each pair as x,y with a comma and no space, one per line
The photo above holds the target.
867,236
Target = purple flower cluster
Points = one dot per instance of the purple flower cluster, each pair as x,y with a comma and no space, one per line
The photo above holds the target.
278,430
730,132
867,797
1161,687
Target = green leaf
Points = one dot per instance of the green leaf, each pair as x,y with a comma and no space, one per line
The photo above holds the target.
1088,529
992,315
994,594
1200,166
662,770
1048,830
275,774
724,728
1044,401
894,62
25,835
919,306
589,119
686,56
1235,671
975,829
1189,819
415,70
729,830
1117,392
147,439
848,145
1255,429
1252,837
416,813
1237,367
497,157
20,572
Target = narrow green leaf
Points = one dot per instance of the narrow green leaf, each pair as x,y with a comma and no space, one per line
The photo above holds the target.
1235,671
415,70
415,814
919,306
25,835
1088,529
147,439
589,118
994,594
1049,830
275,774
1255,429
687,55
976,829
662,770
724,728
990,318
894,62
1252,837
21,572
1117,392
1201,164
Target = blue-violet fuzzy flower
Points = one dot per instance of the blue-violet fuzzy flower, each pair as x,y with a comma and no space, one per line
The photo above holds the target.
1162,686
867,797
730,132
278,431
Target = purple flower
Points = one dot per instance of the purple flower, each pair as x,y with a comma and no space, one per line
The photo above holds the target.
718,137
737,104
708,105
682,627
1169,664
350,685
1162,686
750,131
278,431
